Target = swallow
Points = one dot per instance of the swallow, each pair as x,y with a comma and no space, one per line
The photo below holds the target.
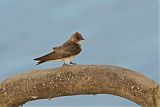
65,52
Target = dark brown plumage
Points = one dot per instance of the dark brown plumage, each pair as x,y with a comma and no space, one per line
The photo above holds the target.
65,52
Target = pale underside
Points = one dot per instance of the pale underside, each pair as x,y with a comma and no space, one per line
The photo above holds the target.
65,60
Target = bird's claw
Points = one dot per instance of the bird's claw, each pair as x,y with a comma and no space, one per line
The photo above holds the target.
71,63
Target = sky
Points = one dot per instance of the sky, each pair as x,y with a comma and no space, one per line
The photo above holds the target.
117,32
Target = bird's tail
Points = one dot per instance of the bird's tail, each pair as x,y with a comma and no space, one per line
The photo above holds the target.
39,61
43,59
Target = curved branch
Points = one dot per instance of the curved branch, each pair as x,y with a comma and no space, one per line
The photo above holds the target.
79,80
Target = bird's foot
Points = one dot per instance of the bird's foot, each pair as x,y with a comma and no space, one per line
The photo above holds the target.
72,63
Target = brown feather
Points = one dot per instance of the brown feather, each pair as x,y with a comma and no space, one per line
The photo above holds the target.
69,50
66,44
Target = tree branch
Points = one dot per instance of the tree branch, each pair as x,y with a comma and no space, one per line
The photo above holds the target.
79,80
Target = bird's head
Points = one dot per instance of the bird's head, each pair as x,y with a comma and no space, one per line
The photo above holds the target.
76,37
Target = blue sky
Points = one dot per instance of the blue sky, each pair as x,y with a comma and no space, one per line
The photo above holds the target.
116,32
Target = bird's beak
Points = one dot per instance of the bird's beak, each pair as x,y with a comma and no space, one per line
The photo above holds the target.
82,38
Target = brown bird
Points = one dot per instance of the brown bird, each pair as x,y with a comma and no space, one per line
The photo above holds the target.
65,52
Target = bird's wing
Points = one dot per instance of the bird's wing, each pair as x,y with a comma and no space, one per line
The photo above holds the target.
58,48
51,56
68,47
67,51
62,46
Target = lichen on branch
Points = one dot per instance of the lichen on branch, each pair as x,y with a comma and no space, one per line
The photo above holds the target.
78,80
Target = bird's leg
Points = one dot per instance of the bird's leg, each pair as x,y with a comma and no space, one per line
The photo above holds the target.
72,63
65,64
